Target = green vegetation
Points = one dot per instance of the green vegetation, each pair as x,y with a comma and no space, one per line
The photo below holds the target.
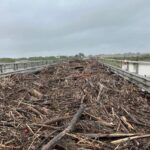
111,59
10,60
80,55
112,62
7,60
130,56
42,58
53,58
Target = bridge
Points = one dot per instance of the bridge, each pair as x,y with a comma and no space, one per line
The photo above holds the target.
21,67
79,100
31,66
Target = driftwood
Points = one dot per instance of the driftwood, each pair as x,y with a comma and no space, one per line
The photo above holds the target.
38,84
58,119
40,145
8,147
32,106
124,120
89,141
34,110
109,136
101,86
99,120
70,128
134,119
36,93
130,138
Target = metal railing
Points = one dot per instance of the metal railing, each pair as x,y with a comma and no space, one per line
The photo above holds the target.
140,81
8,68
113,62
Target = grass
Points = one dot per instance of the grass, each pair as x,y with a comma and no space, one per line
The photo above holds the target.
141,57
52,58
7,60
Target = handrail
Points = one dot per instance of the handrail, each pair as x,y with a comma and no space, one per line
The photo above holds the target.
20,66
126,60
140,81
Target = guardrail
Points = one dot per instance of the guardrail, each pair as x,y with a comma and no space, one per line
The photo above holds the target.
142,82
114,62
8,68
125,60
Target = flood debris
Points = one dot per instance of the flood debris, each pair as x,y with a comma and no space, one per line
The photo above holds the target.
75,105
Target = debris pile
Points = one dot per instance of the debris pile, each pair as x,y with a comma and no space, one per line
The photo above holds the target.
75,105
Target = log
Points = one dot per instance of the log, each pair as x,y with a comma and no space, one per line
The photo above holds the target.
36,93
86,140
34,110
124,120
38,84
109,136
100,120
130,138
70,128
44,141
101,86
58,119
134,120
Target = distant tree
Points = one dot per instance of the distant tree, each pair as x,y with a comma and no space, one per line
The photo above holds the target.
7,60
80,55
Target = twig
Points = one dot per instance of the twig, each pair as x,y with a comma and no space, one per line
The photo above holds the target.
44,141
124,120
100,121
30,129
133,118
130,138
35,137
114,135
58,119
9,147
85,139
101,86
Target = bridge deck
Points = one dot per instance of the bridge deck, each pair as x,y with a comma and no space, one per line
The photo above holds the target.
35,107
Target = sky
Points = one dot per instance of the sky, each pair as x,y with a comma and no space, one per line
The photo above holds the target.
67,27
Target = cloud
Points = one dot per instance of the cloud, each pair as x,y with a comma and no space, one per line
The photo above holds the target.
55,27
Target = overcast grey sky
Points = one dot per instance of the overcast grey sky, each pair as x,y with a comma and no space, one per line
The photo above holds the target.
66,27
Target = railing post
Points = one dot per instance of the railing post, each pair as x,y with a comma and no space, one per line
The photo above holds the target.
14,67
4,68
1,68
25,65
